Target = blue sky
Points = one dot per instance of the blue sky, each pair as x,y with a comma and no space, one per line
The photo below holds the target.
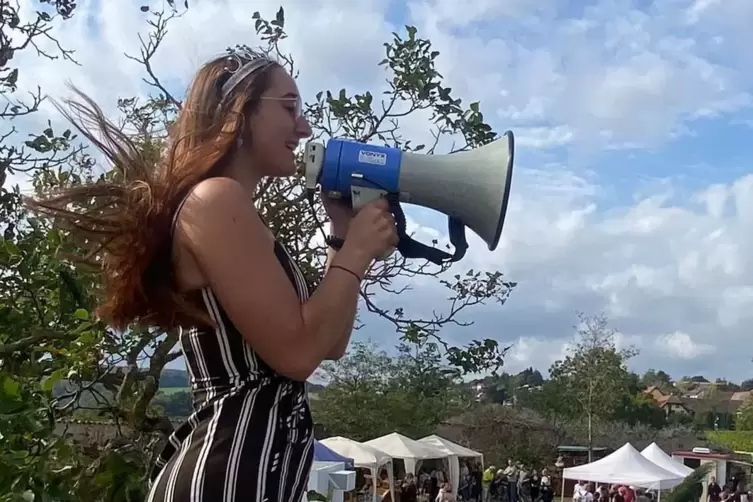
631,190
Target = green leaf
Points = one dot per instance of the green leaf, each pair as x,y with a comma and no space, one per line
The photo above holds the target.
81,314
11,248
475,107
11,387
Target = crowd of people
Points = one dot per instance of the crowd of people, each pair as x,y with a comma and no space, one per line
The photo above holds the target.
519,483
516,482
430,485
590,492
734,491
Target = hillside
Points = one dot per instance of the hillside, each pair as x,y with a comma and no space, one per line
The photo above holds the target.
171,382
178,379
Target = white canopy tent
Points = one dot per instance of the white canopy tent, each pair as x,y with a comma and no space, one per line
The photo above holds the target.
365,457
454,451
409,450
660,458
625,466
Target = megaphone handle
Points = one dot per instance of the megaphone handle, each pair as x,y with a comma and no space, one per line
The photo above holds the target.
397,212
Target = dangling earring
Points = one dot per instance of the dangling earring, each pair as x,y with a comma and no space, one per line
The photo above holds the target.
239,142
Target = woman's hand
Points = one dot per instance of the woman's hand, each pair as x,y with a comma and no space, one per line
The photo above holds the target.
373,232
340,215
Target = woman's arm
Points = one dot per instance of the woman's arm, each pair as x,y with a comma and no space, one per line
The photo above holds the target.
338,351
219,225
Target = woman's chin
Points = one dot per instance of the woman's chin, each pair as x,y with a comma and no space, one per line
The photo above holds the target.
284,169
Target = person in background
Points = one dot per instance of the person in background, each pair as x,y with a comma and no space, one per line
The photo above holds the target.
476,490
623,491
408,489
464,487
498,489
486,482
615,495
579,491
589,495
714,491
547,492
511,473
368,485
727,494
383,486
433,487
524,483
629,493
535,488
464,471
445,493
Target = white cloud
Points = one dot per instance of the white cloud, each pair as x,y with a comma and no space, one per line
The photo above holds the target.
663,261
614,75
682,345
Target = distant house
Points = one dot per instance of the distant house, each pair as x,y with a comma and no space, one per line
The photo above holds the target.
669,402
701,399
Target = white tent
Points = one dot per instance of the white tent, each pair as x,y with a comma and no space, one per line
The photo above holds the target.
625,466
657,456
365,457
454,451
412,452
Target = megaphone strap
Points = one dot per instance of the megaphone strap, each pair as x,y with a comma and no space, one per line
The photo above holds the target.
411,248
407,245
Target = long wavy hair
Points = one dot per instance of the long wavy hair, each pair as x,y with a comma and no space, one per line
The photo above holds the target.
126,219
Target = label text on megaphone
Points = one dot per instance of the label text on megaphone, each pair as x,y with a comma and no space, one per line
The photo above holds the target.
369,157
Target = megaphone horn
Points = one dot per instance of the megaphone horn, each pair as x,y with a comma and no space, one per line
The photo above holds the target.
472,187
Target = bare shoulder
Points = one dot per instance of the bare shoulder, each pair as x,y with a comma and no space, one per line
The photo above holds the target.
219,213
216,197
218,202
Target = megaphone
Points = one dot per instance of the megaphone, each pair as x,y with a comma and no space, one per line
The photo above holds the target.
471,187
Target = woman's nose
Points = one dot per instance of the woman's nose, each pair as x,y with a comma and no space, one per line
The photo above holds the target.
302,128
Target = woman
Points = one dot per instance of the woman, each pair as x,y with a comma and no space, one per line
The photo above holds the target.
714,491
535,485
445,493
184,248
408,489
547,492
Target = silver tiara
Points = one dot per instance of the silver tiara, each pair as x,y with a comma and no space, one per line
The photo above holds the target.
240,63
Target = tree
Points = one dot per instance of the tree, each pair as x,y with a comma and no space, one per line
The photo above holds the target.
370,393
744,418
593,376
59,360
501,387
20,34
658,379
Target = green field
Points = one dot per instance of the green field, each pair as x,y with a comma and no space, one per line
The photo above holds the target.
172,390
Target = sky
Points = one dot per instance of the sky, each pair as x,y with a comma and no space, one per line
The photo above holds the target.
632,192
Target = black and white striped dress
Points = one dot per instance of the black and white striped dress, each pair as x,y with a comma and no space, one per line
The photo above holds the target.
251,436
